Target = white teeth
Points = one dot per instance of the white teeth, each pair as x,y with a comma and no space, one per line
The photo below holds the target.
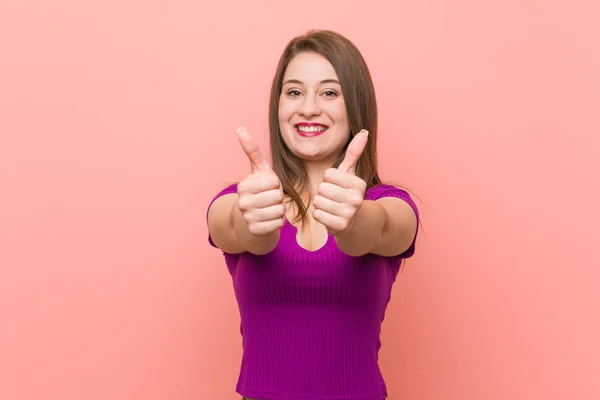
311,128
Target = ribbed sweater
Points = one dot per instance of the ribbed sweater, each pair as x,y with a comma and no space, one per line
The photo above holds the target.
311,320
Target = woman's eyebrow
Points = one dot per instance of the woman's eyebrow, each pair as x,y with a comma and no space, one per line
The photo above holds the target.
296,81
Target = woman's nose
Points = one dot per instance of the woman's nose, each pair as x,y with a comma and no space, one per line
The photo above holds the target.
309,107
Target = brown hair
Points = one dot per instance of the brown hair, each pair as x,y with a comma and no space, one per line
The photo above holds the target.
361,107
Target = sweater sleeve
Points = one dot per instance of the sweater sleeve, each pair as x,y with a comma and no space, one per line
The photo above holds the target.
227,190
381,191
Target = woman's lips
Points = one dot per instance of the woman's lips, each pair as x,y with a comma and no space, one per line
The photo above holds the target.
310,129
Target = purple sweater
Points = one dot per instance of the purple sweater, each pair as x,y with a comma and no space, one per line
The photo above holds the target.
310,320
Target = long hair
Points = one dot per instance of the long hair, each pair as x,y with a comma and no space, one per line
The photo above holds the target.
361,108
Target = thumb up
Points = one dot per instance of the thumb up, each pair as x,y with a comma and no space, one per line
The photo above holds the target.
252,150
260,194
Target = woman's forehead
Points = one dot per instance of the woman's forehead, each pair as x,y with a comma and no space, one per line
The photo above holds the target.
310,69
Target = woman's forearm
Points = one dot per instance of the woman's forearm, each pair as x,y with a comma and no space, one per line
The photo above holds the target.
259,245
366,230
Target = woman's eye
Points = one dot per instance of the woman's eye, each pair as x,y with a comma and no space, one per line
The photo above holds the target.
330,93
293,92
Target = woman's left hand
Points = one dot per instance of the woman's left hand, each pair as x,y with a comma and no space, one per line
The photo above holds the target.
341,193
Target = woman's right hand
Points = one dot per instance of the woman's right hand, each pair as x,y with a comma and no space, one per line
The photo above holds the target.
260,194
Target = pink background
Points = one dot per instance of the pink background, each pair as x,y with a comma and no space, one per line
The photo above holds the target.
117,126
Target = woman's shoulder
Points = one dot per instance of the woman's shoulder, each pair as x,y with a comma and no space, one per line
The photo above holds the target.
386,190
389,190
227,189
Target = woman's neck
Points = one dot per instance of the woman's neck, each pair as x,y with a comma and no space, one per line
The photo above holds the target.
315,172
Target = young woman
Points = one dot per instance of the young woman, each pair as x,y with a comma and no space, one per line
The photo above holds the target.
314,241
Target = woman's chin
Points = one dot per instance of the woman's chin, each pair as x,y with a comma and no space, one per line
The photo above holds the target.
315,158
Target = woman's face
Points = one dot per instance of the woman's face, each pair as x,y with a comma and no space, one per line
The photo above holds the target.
312,113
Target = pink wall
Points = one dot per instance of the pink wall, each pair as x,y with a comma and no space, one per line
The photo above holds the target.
489,113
